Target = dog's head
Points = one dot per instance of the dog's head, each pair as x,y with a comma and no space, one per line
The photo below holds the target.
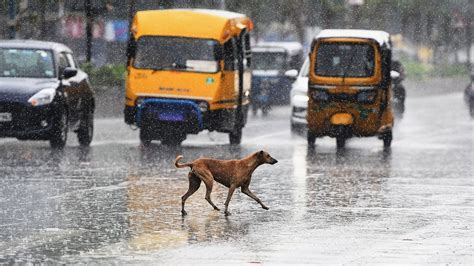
264,157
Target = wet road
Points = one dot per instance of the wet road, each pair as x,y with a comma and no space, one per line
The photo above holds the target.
117,202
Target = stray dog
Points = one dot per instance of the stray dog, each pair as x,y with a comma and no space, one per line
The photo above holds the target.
230,173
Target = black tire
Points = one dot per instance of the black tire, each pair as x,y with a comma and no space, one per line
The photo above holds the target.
311,138
387,139
58,137
173,140
145,137
86,129
340,142
235,137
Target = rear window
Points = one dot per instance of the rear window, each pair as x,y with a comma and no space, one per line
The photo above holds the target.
345,60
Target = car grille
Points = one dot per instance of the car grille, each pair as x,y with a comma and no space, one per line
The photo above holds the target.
19,116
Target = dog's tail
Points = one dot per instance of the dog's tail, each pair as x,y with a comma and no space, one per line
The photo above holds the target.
181,165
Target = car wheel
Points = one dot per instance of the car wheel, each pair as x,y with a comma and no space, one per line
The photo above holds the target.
235,137
86,129
59,131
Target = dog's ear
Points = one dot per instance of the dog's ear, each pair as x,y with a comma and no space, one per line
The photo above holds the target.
260,153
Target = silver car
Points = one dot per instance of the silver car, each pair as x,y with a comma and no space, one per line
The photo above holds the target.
299,98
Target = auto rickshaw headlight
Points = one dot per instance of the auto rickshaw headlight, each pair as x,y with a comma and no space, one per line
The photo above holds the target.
366,96
319,95
203,107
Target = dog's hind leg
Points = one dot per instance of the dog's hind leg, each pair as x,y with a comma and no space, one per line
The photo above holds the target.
194,183
208,179
249,193
208,194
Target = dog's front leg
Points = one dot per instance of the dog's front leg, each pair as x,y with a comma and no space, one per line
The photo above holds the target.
249,193
229,196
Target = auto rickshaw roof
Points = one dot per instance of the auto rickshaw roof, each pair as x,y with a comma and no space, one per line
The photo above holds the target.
379,36
291,48
194,23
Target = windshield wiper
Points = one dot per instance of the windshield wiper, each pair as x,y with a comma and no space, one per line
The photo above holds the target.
344,73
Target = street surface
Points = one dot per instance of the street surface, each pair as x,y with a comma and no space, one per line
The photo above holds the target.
118,202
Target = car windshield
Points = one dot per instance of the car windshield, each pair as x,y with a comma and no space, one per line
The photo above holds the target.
345,60
177,53
27,63
268,60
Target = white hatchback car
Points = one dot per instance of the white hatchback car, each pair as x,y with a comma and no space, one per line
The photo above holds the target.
299,98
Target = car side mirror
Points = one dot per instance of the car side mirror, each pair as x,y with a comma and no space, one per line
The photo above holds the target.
394,74
69,72
292,73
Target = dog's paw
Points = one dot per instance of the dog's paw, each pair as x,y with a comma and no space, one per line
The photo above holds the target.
265,207
227,213
184,213
217,209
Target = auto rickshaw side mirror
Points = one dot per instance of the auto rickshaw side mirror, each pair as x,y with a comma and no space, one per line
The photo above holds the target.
394,74
292,73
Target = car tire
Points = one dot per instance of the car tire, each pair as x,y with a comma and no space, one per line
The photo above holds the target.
235,137
58,137
85,132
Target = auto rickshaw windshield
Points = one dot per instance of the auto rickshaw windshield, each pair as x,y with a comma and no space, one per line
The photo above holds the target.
177,53
345,60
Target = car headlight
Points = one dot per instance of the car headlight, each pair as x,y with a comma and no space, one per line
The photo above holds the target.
300,98
366,96
44,96
203,106
319,95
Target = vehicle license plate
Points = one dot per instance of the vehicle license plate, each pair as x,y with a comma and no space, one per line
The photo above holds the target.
171,117
5,117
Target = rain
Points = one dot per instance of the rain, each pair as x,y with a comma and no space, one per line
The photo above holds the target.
356,114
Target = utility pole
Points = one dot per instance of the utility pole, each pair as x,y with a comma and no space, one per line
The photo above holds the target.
89,23
11,19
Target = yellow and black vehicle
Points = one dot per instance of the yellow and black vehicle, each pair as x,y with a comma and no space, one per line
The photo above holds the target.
188,70
349,86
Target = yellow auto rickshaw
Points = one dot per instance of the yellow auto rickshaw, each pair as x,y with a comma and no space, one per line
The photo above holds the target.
188,70
349,86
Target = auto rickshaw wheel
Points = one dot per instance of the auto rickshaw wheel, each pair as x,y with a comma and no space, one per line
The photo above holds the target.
340,142
235,137
145,137
311,138
387,139
173,140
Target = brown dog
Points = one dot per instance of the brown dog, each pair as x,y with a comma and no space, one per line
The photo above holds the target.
230,173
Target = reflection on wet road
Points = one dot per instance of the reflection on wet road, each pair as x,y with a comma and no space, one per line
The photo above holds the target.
119,202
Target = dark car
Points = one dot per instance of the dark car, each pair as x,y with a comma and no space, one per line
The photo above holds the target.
270,62
43,93
469,94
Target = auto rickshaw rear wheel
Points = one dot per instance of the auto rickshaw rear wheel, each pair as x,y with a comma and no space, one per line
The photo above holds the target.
145,137
387,139
311,138
340,142
235,137
173,139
